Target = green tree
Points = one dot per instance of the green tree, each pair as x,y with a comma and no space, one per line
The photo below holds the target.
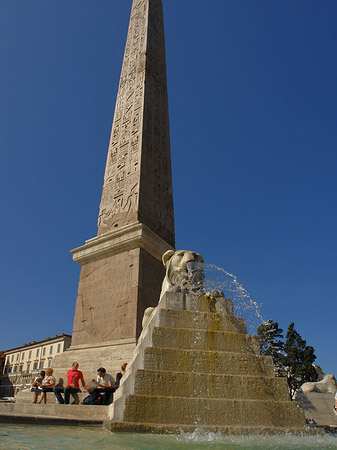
298,360
271,344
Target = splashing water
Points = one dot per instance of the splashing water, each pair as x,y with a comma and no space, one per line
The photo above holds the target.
208,277
41,437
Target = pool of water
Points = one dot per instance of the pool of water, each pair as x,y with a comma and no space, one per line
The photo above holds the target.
42,437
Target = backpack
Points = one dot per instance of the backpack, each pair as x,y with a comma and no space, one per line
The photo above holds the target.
95,398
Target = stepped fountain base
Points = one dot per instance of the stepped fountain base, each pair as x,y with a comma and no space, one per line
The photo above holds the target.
195,366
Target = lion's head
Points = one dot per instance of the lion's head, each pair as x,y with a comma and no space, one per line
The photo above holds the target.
177,277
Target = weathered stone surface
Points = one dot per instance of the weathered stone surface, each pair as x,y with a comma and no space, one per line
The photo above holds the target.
193,302
110,355
137,180
211,411
189,375
184,338
203,361
318,408
206,385
198,320
26,397
122,271
53,412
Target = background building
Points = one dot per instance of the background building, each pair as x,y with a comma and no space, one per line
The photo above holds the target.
21,364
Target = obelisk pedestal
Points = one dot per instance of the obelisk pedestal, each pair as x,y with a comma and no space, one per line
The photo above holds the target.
121,271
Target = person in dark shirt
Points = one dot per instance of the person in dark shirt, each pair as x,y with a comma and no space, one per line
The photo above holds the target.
120,375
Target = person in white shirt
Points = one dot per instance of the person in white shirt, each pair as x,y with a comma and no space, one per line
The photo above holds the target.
106,384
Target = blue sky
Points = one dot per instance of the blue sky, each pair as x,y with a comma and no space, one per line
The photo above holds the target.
252,95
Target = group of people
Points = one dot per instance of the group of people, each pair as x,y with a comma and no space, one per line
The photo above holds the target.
104,385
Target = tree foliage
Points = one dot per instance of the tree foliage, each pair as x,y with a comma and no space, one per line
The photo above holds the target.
271,343
292,358
298,360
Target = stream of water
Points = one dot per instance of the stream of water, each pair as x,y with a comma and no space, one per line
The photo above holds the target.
204,278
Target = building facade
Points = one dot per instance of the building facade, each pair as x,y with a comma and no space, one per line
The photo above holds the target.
23,363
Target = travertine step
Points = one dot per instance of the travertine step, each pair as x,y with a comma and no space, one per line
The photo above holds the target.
201,411
318,407
159,428
216,362
27,397
183,384
198,320
77,413
184,338
201,369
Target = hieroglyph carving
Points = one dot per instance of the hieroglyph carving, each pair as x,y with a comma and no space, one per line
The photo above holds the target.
137,181
121,179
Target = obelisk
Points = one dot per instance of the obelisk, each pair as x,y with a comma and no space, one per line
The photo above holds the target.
121,268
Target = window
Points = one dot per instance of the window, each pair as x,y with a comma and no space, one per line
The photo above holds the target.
15,369
35,366
22,356
58,348
29,354
20,368
50,349
12,358
28,367
43,351
17,356
49,362
41,365
37,352
9,370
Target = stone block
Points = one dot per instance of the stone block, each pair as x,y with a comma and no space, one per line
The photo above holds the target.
184,338
192,302
25,397
77,413
318,408
175,410
110,355
205,385
197,320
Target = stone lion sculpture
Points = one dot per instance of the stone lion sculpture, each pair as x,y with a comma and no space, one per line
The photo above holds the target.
177,278
327,386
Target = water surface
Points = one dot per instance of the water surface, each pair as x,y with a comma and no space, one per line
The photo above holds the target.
43,437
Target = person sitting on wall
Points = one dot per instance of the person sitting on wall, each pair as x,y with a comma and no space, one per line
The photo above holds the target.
47,385
73,377
106,385
120,375
36,385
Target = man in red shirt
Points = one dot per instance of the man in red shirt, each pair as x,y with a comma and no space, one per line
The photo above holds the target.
73,377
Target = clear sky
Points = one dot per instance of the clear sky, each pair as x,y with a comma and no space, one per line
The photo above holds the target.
252,95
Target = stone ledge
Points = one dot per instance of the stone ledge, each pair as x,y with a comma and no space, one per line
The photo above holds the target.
134,427
25,397
216,412
123,239
52,413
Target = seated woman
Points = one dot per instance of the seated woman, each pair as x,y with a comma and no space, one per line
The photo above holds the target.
36,385
47,385
120,375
